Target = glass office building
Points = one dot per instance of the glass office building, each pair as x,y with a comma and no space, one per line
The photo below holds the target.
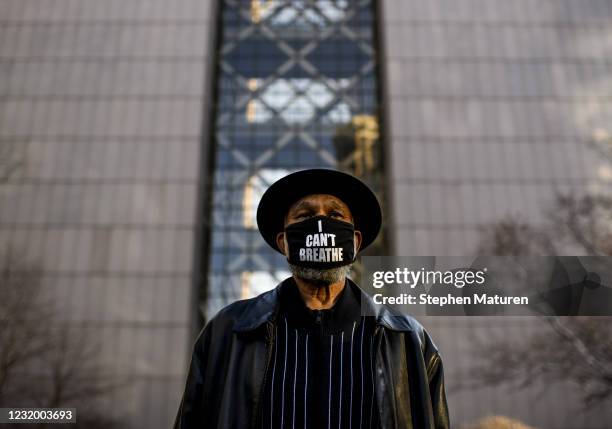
136,137
296,87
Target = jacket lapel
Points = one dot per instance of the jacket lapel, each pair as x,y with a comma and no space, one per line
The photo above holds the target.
392,388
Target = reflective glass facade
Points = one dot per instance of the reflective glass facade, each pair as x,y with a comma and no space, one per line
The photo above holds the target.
100,136
297,88
494,107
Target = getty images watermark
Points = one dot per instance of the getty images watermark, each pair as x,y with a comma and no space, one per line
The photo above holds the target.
491,285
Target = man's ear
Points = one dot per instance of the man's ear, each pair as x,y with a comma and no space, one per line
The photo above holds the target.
357,241
280,242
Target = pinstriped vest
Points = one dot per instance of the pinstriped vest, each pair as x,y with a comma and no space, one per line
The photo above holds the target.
321,373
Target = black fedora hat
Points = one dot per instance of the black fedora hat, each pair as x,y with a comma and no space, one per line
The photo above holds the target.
281,195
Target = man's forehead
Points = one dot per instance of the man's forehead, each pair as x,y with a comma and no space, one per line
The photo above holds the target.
314,200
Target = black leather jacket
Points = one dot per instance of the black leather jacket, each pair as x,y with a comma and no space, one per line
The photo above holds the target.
232,352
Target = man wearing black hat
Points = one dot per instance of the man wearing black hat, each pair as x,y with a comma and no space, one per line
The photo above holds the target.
315,351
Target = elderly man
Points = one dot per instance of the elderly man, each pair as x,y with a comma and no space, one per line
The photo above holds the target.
315,351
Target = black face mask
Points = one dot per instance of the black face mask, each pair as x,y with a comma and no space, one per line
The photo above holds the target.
320,242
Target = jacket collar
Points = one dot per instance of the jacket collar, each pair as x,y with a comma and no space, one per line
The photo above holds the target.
264,308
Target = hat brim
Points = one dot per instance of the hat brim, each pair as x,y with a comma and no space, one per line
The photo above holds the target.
282,194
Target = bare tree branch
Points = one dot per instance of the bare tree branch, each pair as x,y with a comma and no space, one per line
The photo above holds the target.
575,349
44,361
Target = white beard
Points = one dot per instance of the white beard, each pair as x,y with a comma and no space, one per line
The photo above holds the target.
321,277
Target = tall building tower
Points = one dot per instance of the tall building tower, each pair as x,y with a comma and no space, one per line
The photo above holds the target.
137,136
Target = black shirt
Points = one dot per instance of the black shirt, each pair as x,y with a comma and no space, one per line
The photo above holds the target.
322,369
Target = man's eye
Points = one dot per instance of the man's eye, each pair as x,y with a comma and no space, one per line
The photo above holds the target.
336,213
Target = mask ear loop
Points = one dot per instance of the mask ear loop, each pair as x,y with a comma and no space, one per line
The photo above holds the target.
286,245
